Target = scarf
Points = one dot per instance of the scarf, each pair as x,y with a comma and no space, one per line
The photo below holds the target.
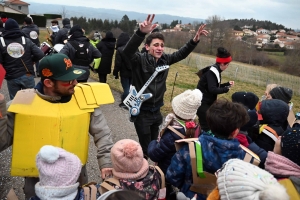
281,166
56,193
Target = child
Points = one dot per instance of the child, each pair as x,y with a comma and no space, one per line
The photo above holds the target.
240,180
269,87
182,120
224,119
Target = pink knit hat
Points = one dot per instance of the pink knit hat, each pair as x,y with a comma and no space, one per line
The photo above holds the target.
57,167
128,160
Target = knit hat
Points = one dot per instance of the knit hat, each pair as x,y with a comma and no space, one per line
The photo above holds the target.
252,120
282,93
11,24
58,67
248,99
241,180
185,105
75,28
109,35
57,167
128,160
66,21
290,145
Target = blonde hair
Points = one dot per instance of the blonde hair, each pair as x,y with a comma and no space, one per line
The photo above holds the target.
268,89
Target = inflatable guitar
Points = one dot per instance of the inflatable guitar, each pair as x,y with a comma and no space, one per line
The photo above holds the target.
135,99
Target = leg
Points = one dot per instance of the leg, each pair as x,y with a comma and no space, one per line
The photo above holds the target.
157,120
37,69
201,112
13,86
27,82
102,78
29,186
125,82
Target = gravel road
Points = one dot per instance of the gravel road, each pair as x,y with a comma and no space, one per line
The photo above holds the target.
117,119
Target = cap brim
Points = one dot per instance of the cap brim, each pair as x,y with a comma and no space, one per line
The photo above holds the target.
72,75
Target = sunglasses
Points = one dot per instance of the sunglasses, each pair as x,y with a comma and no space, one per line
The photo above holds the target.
65,83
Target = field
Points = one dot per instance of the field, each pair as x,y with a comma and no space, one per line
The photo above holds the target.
247,78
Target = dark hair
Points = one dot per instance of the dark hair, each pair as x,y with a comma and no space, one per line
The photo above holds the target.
3,15
223,53
155,35
123,195
28,20
223,117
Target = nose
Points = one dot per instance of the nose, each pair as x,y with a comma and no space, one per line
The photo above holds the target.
75,82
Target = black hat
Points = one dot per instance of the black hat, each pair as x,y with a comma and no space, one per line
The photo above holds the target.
75,28
66,21
290,145
252,120
248,99
11,24
109,35
282,93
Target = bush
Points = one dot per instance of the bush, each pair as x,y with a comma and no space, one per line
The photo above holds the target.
37,19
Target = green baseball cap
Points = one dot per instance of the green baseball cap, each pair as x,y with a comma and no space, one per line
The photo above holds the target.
58,67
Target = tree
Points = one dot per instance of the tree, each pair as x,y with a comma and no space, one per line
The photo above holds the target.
64,12
237,28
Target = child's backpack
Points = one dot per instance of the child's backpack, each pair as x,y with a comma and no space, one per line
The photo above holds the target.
290,188
265,129
81,56
149,186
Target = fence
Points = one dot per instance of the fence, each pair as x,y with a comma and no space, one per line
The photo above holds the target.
243,72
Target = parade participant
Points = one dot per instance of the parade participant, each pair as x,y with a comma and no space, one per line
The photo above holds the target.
80,51
107,48
32,32
3,18
143,66
17,55
54,28
94,40
56,94
62,34
210,84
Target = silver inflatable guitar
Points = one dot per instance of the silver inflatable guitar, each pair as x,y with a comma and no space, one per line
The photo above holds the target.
135,99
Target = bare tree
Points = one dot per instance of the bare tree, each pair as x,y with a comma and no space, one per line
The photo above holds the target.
64,12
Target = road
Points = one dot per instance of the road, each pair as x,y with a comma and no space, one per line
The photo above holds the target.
117,119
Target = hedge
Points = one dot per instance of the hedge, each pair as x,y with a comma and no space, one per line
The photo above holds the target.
52,16
40,21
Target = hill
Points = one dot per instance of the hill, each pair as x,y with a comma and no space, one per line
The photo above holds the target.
102,13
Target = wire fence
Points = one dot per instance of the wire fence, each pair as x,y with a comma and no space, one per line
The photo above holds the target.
257,75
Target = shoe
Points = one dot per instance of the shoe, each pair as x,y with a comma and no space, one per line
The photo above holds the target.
122,105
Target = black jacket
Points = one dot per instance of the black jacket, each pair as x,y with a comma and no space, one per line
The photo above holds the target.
144,64
107,48
62,34
209,86
13,65
32,32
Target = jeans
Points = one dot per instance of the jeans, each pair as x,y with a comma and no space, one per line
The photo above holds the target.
37,69
125,82
23,82
147,127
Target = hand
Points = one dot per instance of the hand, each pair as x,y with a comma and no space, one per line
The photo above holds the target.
147,26
231,83
106,172
1,97
201,31
277,146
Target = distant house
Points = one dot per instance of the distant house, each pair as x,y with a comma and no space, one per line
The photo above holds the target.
274,31
248,32
18,5
280,35
282,31
289,45
292,37
238,33
4,8
262,31
247,27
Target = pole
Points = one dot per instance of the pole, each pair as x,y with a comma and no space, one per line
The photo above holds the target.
173,86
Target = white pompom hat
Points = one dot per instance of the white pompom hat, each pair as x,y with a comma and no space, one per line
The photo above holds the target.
185,105
57,167
239,180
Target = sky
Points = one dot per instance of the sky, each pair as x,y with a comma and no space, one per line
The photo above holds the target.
285,12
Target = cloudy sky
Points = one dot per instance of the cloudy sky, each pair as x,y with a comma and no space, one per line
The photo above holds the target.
285,12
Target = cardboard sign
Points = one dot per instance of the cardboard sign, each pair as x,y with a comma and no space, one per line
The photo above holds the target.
2,74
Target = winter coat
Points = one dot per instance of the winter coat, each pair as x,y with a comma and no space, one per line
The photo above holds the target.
209,86
98,128
13,64
215,152
163,151
274,112
62,34
144,64
32,32
107,48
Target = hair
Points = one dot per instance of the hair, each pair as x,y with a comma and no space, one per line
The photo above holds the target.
3,15
223,117
155,35
189,132
269,87
222,53
28,20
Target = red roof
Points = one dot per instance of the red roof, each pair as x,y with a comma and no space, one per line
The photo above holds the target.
17,2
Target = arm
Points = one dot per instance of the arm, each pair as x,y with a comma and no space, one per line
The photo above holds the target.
212,83
6,125
95,52
118,63
66,50
102,138
36,52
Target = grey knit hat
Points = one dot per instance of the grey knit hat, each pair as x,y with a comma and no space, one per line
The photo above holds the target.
282,93
185,105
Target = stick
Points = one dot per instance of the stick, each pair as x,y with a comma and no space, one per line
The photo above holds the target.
173,86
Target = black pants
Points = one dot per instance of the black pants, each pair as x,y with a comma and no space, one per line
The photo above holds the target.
147,127
102,78
201,113
31,181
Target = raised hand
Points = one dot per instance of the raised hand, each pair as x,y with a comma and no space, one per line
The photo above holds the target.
201,31
147,26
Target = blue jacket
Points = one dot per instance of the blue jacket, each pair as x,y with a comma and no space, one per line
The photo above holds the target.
163,151
215,152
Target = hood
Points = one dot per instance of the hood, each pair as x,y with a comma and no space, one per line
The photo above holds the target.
274,112
122,40
109,42
248,99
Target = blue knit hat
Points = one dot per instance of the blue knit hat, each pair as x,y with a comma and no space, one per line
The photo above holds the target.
11,24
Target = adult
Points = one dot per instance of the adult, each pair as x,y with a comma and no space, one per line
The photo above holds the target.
17,55
80,51
143,66
32,32
3,18
62,34
56,88
210,84
95,38
107,49
54,28
123,65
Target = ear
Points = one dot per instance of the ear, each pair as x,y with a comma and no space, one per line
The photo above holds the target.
147,47
234,133
48,83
